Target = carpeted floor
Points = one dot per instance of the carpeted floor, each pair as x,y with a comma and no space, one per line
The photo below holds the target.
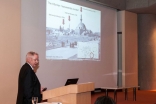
142,97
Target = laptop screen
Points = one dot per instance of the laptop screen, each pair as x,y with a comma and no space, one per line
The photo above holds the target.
71,81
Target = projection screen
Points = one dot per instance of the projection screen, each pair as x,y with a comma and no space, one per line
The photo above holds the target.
74,39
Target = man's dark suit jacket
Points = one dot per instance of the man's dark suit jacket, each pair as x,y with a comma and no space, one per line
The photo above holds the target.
28,86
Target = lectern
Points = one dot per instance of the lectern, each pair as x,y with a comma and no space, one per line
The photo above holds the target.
71,94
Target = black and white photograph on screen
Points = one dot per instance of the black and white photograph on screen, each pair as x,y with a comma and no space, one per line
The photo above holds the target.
73,32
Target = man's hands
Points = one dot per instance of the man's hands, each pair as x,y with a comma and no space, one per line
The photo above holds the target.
43,89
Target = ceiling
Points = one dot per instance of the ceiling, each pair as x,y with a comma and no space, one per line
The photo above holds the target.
145,10
136,6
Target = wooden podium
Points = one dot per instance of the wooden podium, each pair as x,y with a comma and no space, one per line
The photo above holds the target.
71,94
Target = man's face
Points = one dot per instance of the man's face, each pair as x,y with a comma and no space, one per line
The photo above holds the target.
34,61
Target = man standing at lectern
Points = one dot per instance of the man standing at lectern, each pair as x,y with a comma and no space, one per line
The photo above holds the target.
28,83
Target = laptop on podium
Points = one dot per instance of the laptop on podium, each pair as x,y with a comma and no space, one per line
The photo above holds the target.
71,81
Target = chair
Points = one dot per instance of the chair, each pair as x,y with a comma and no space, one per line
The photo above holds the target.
104,100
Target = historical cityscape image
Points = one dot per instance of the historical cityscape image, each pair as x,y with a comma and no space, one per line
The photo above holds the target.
71,34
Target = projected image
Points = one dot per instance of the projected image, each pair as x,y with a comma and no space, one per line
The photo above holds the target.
73,32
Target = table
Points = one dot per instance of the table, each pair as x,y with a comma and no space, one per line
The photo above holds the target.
121,88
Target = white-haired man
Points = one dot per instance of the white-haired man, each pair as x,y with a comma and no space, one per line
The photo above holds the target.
28,83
